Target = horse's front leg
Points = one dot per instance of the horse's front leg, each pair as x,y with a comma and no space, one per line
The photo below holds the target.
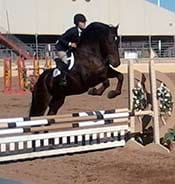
55,104
99,91
111,74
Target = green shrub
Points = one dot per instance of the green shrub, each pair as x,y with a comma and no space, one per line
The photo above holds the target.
169,137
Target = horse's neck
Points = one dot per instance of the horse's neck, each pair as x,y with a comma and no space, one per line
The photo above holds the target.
89,49
86,55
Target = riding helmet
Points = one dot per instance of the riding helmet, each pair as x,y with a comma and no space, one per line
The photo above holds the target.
79,18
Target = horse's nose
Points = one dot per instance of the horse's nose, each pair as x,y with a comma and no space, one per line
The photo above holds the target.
114,61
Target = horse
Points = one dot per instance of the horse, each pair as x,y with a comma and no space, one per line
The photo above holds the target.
96,56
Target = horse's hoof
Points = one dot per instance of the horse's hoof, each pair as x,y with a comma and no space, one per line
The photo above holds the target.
113,94
92,91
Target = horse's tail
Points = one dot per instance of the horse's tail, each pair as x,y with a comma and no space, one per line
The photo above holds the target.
40,96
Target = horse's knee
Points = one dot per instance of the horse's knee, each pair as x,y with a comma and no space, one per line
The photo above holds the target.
106,83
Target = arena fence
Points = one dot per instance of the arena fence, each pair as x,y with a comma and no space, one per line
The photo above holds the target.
163,49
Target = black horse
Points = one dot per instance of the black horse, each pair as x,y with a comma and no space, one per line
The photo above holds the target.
95,57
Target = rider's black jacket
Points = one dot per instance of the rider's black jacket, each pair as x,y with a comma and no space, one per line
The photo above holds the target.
71,35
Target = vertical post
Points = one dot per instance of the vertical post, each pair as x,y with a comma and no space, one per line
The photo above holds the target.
20,82
7,75
160,47
8,23
48,64
130,95
22,76
35,67
150,40
36,42
154,102
49,50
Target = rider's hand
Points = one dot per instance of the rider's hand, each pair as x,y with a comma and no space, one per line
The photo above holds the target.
73,45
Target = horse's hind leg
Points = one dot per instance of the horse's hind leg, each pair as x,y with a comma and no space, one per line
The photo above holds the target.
55,104
99,91
39,104
111,74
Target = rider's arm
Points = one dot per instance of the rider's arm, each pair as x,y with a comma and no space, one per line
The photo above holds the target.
67,37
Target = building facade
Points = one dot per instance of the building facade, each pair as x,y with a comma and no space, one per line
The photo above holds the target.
142,24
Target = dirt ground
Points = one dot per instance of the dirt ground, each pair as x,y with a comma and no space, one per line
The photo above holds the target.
114,166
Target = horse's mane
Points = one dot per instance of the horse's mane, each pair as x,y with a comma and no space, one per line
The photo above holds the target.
94,32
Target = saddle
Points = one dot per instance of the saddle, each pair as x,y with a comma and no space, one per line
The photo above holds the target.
65,67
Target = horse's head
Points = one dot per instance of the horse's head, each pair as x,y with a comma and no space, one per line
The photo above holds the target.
106,37
110,46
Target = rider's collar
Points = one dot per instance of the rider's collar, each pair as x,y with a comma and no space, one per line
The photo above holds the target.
79,31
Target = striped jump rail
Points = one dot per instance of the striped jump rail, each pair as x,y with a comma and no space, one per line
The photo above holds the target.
46,126
78,114
56,124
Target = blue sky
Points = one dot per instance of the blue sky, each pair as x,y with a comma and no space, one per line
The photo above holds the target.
169,4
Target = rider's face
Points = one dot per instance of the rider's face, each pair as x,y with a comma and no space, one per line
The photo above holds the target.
82,25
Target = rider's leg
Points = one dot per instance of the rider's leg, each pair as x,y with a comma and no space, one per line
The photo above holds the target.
63,56
62,64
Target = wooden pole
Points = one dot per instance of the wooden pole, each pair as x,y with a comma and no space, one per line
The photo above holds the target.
69,126
61,126
89,113
19,122
130,93
154,102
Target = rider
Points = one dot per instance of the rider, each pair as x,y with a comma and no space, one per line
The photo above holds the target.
69,40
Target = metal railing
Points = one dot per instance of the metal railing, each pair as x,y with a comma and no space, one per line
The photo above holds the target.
165,49
142,49
21,44
14,43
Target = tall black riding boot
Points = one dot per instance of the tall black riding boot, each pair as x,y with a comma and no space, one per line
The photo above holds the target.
63,79
63,68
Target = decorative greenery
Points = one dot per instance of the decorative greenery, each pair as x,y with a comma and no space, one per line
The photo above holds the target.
163,95
165,98
169,137
139,98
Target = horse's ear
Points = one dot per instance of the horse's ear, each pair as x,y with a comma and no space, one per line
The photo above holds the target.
116,28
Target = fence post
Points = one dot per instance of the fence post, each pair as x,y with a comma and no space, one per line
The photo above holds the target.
130,92
22,76
7,75
154,102
35,67
48,64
